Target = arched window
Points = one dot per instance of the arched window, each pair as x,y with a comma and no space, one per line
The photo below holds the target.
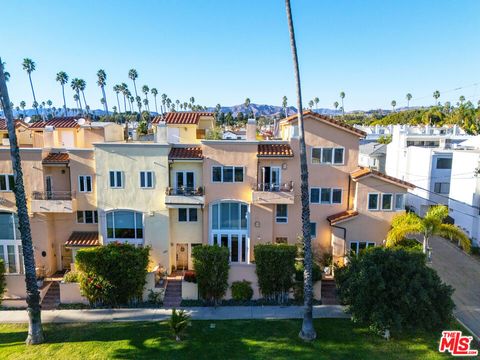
11,243
125,226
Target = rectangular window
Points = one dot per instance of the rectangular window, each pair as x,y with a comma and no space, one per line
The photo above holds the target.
238,174
217,174
87,217
182,215
325,195
313,230
85,183
444,163
356,247
328,156
281,240
372,201
336,196
316,155
187,215
315,195
146,179
338,156
441,188
387,201
192,214
115,179
281,213
399,201
227,174
7,182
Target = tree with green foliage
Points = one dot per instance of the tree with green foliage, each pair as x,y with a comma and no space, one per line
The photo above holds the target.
409,97
316,100
394,103
436,96
29,66
62,78
285,105
385,139
154,92
75,85
2,279
342,96
430,225
102,82
393,290
178,323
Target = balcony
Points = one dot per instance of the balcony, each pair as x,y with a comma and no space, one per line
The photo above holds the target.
270,193
52,202
184,196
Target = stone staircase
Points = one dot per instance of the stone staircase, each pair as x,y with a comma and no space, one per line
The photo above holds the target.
173,293
329,292
51,299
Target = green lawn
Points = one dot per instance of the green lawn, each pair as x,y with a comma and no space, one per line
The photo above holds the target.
262,339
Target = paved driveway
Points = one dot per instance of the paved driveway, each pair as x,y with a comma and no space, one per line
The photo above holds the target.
462,272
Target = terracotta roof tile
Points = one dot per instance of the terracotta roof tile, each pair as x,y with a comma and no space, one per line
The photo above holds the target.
344,215
362,172
18,123
274,150
56,158
181,117
191,152
328,120
59,122
83,238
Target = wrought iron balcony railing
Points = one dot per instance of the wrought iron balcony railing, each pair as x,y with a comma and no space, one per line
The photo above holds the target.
272,187
52,195
186,191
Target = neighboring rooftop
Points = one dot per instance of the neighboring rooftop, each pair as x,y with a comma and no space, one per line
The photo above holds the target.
69,122
274,150
181,117
83,238
372,148
56,158
186,153
3,124
342,216
363,172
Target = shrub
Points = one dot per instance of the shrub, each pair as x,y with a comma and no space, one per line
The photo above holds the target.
393,289
211,268
190,277
242,290
72,277
2,279
409,244
275,267
316,272
156,297
113,274
178,323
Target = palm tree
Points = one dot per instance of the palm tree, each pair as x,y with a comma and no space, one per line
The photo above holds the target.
35,331
316,100
192,100
82,84
117,88
431,225
164,101
310,104
146,90
77,100
49,103
342,96
75,85
436,95
308,332
133,75
284,105
102,81
393,103
177,102
114,109
6,73
29,67
335,105
154,92
126,94
409,97
22,106
462,99
62,78
247,105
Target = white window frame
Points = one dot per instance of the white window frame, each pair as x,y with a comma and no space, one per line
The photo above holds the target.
136,240
441,184
95,218
115,186
7,182
332,160
391,202
234,167
188,219
278,219
378,201
330,202
357,250
184,176
16,243
145,173
396,202
82,180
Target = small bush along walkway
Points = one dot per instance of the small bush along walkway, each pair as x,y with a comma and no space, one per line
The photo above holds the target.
242,339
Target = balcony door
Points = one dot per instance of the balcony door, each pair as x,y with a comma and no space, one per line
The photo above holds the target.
271,178
48,187
185,181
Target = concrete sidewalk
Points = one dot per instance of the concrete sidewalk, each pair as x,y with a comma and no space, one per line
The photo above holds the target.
197,313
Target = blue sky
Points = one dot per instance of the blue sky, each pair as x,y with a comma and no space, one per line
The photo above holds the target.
224,51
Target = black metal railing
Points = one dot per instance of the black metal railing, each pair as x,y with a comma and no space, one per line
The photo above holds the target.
186,191
272,187
52,195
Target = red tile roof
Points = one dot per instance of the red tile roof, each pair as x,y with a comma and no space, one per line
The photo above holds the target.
181,117
328,120
83,238
344,215
191,152
274,150
363,172
56,158
59,123
18,123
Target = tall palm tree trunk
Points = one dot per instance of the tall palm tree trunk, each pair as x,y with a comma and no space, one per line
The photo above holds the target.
118,102
64,100
156,108
33,92
84,101
307,332
105,98
79,102
125,102
35,331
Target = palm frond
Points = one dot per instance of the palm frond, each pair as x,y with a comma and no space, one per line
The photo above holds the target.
400,231
436,213
453,232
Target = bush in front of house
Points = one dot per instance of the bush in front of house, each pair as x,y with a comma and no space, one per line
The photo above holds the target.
190,277
275,268
392,289
72,277
211,269
2,279
114,274
298,286
242,290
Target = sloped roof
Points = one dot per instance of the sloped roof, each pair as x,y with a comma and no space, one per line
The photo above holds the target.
83,239
363,172
56,158
18,123
341,216
181,117
186,153
274,150
69,122
337,123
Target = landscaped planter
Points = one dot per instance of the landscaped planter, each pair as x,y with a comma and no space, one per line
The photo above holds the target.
317,290
70,294
189,290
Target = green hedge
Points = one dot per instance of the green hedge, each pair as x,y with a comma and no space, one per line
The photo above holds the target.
114,274
211,268
275,268
242,290
2,279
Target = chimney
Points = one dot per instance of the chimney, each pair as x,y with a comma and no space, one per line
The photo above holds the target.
48,140
251,130
161,133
